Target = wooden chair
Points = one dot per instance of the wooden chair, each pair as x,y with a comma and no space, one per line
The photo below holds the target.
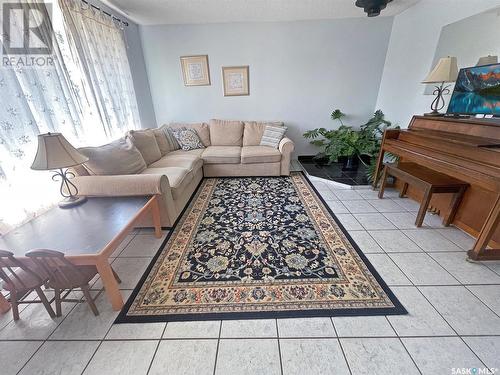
21,280
65,276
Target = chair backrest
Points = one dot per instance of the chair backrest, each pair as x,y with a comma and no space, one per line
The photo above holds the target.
9,262
61,271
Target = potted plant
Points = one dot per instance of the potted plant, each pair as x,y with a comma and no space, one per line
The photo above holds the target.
348,144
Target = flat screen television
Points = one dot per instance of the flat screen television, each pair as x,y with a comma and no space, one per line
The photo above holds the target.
477,91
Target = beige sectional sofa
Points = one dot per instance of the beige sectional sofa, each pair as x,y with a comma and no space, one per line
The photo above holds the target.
231,148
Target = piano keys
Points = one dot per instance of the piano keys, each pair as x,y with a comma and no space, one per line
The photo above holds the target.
466,149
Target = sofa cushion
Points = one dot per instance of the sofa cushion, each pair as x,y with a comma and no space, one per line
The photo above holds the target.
201,128
178,178
145,141
115,158
253,131
188,139
226,133
190,162
272,136
196,152
222,154
161,139
259,154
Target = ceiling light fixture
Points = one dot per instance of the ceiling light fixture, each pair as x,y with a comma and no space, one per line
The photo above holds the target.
372,7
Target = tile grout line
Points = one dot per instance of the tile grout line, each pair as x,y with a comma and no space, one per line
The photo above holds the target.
341,347
464,284
404,346
98,346
268,338
44,341
279,346
29,359
156,349
449,324
458,281
484,303
128,243
217,349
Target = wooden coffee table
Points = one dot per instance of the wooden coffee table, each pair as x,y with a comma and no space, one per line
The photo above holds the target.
88,234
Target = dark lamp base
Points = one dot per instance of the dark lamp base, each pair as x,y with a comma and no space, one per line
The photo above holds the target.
72,202
434,114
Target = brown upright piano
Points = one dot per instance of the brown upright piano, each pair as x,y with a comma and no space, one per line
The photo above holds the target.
467,149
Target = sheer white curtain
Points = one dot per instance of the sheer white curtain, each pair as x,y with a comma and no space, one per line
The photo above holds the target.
87,96
98,45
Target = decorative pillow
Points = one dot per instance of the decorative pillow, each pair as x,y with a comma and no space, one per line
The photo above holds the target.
253,130
145,141
117,157
272,136
201,128
172,142
161,139
188,139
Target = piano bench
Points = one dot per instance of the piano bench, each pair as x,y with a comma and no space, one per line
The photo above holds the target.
431,182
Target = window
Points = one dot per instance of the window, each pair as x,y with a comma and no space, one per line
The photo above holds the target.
87,94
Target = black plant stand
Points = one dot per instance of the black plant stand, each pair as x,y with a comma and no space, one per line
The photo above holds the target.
334,171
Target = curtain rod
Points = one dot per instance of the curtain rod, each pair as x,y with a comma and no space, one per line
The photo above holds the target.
106,13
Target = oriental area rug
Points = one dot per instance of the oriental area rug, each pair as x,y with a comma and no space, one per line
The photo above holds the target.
258,247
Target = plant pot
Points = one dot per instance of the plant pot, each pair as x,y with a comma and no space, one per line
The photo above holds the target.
350,163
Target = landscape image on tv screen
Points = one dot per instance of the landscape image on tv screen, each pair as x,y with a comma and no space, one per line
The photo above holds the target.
477,91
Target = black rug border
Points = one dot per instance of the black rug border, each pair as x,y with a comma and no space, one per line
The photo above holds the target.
398,308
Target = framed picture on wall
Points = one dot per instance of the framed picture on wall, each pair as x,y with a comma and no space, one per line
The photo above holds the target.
195,70
235,80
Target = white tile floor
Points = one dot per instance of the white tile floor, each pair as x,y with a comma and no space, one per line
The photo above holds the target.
453,321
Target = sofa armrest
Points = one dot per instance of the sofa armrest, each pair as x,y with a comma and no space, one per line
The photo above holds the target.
286,145
122,185
286,148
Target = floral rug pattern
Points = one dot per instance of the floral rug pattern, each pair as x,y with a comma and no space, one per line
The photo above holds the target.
257,246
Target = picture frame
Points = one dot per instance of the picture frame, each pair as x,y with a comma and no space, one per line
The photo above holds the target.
235,80
195,70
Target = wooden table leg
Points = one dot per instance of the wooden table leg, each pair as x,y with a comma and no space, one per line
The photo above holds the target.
110,284
155,210
479,251
4,304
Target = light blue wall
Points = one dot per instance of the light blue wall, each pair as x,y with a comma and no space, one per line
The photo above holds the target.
299,71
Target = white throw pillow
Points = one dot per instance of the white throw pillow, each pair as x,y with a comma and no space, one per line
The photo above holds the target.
272,136
115,158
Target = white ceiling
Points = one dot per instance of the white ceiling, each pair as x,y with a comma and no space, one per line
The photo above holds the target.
150,12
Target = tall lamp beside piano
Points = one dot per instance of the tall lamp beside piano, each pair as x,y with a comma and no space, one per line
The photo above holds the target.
446,70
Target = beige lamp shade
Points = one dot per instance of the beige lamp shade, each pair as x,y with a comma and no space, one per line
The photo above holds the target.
446,70
487,60
55,152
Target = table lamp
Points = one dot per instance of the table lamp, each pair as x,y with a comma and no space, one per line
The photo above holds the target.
55,153
487,60
446,70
